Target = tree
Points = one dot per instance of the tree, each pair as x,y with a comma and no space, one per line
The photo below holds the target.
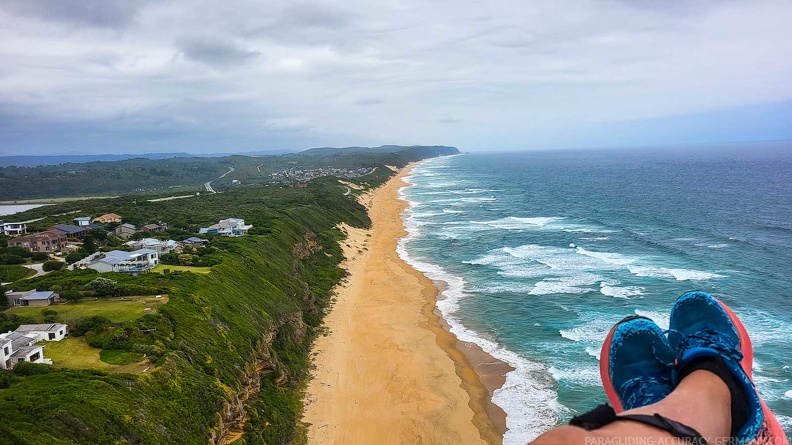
49,266
104,287
89,244
71,295
185,260
74,257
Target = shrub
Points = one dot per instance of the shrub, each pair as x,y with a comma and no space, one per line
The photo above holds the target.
27,368
95,323
104,287
71,295
10,258
74,257
39,256
49,266
6,377
50,316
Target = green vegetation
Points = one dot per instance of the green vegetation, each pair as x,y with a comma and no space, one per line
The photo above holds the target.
161,268
75,353
14,273
246,325
185,175
50,266
116,309
115,357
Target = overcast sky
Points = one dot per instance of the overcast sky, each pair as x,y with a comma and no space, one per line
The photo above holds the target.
118,76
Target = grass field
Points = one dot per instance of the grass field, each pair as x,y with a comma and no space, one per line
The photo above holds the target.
194,269
74,352
115,309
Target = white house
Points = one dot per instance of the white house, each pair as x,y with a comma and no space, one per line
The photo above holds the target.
154,244
46,331
13,229
18,347
141,260
228,227
82,221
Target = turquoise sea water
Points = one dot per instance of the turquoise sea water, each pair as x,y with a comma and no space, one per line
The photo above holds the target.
544,252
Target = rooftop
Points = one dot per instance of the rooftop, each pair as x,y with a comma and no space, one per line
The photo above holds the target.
40,327
42,295
69,228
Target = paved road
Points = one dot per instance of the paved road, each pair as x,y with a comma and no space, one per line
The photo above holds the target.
348,191
38,268
208,185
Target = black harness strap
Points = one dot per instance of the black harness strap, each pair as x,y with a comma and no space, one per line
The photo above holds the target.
605,415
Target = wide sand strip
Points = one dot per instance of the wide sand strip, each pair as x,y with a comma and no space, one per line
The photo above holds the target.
381,374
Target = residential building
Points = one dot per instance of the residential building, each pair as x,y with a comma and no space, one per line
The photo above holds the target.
158,227
13,229
82,221
125,231
195,242
141,260
228,227
155,244
46,331
48,241
69,230
32,298
18,347
108,218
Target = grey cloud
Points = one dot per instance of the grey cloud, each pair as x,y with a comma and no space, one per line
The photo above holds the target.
216,53
99,13
351,72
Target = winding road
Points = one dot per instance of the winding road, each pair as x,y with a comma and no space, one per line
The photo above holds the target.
208,185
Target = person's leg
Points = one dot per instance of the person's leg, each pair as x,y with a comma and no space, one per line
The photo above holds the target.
701,401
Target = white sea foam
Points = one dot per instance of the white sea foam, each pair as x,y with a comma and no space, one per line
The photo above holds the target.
572,284
788,394
482,199
514,223
594,352
611,290
676,273
527,396
580,374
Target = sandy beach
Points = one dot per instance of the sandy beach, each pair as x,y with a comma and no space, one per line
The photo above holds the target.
388,372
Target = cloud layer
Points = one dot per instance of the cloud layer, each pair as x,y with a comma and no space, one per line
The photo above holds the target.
108,75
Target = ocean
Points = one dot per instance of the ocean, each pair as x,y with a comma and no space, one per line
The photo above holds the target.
542,252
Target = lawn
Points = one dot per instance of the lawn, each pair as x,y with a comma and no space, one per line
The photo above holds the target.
160,267
74,352
115,309
14,272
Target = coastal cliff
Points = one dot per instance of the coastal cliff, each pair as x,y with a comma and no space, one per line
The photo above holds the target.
229,351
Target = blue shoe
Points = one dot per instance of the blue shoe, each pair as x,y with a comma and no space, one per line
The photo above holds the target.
702,327
635,364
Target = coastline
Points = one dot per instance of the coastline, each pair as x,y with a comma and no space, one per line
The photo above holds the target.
389,370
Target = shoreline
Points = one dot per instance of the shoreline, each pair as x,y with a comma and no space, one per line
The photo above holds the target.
389,370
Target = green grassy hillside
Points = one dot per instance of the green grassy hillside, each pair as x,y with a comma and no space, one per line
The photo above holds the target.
229,347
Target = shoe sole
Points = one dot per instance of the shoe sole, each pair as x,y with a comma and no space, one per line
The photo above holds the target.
607,382
775,430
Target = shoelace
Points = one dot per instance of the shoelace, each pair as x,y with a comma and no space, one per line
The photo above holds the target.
707,338
645,390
